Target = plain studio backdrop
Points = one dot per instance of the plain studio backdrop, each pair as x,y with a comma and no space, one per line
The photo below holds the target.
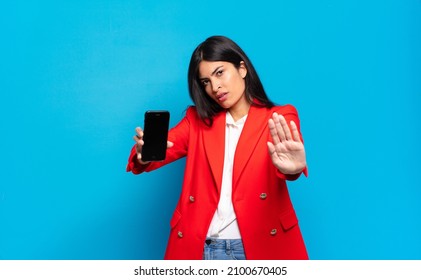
77,77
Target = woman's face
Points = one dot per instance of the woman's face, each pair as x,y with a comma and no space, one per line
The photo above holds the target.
224,83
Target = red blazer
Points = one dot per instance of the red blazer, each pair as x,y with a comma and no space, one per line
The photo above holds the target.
266,218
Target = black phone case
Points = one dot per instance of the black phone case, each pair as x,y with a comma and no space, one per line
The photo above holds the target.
155,135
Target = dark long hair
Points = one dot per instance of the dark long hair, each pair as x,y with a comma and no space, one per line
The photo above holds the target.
220,48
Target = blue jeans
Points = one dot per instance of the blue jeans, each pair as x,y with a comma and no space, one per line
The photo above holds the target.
224,249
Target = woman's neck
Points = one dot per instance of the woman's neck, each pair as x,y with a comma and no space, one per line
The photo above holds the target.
239,111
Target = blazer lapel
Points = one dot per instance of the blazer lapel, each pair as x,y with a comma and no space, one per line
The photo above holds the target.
253,129
214,142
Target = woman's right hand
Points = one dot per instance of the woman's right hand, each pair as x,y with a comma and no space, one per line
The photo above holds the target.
138,138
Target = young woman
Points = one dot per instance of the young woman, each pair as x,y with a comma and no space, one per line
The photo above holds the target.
240,150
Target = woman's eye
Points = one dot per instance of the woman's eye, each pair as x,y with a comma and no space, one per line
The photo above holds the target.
205,82
219,73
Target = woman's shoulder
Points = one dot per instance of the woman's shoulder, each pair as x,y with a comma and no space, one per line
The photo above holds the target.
282,109
191,109
285,109
191,112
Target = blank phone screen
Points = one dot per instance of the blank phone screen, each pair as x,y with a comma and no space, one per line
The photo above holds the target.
155,135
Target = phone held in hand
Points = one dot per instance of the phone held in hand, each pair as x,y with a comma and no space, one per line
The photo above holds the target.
155,135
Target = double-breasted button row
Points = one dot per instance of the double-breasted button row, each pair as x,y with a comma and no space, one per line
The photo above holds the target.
180,234
191,198
263,196
273,231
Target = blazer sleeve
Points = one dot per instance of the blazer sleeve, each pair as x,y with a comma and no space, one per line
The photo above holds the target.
290,114
179,135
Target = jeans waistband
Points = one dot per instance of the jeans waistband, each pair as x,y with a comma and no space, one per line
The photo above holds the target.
223,243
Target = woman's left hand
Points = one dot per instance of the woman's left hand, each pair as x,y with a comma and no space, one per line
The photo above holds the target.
287,150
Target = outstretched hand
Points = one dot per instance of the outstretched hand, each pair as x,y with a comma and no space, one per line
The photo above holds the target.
138,138
287,150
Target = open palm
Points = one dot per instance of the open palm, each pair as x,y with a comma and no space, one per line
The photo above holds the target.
287,150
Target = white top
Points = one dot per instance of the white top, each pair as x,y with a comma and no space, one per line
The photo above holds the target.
224,222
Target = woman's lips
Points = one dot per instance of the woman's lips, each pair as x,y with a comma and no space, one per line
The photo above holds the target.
222,97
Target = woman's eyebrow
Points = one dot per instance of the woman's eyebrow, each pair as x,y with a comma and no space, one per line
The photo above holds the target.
213,72
216,70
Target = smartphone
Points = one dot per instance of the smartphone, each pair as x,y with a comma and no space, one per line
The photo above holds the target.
155,135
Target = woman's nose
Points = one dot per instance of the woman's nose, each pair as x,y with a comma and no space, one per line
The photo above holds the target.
216,87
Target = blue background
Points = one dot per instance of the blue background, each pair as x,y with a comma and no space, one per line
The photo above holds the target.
77,76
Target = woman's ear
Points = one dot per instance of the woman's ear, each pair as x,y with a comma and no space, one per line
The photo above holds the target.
242,69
